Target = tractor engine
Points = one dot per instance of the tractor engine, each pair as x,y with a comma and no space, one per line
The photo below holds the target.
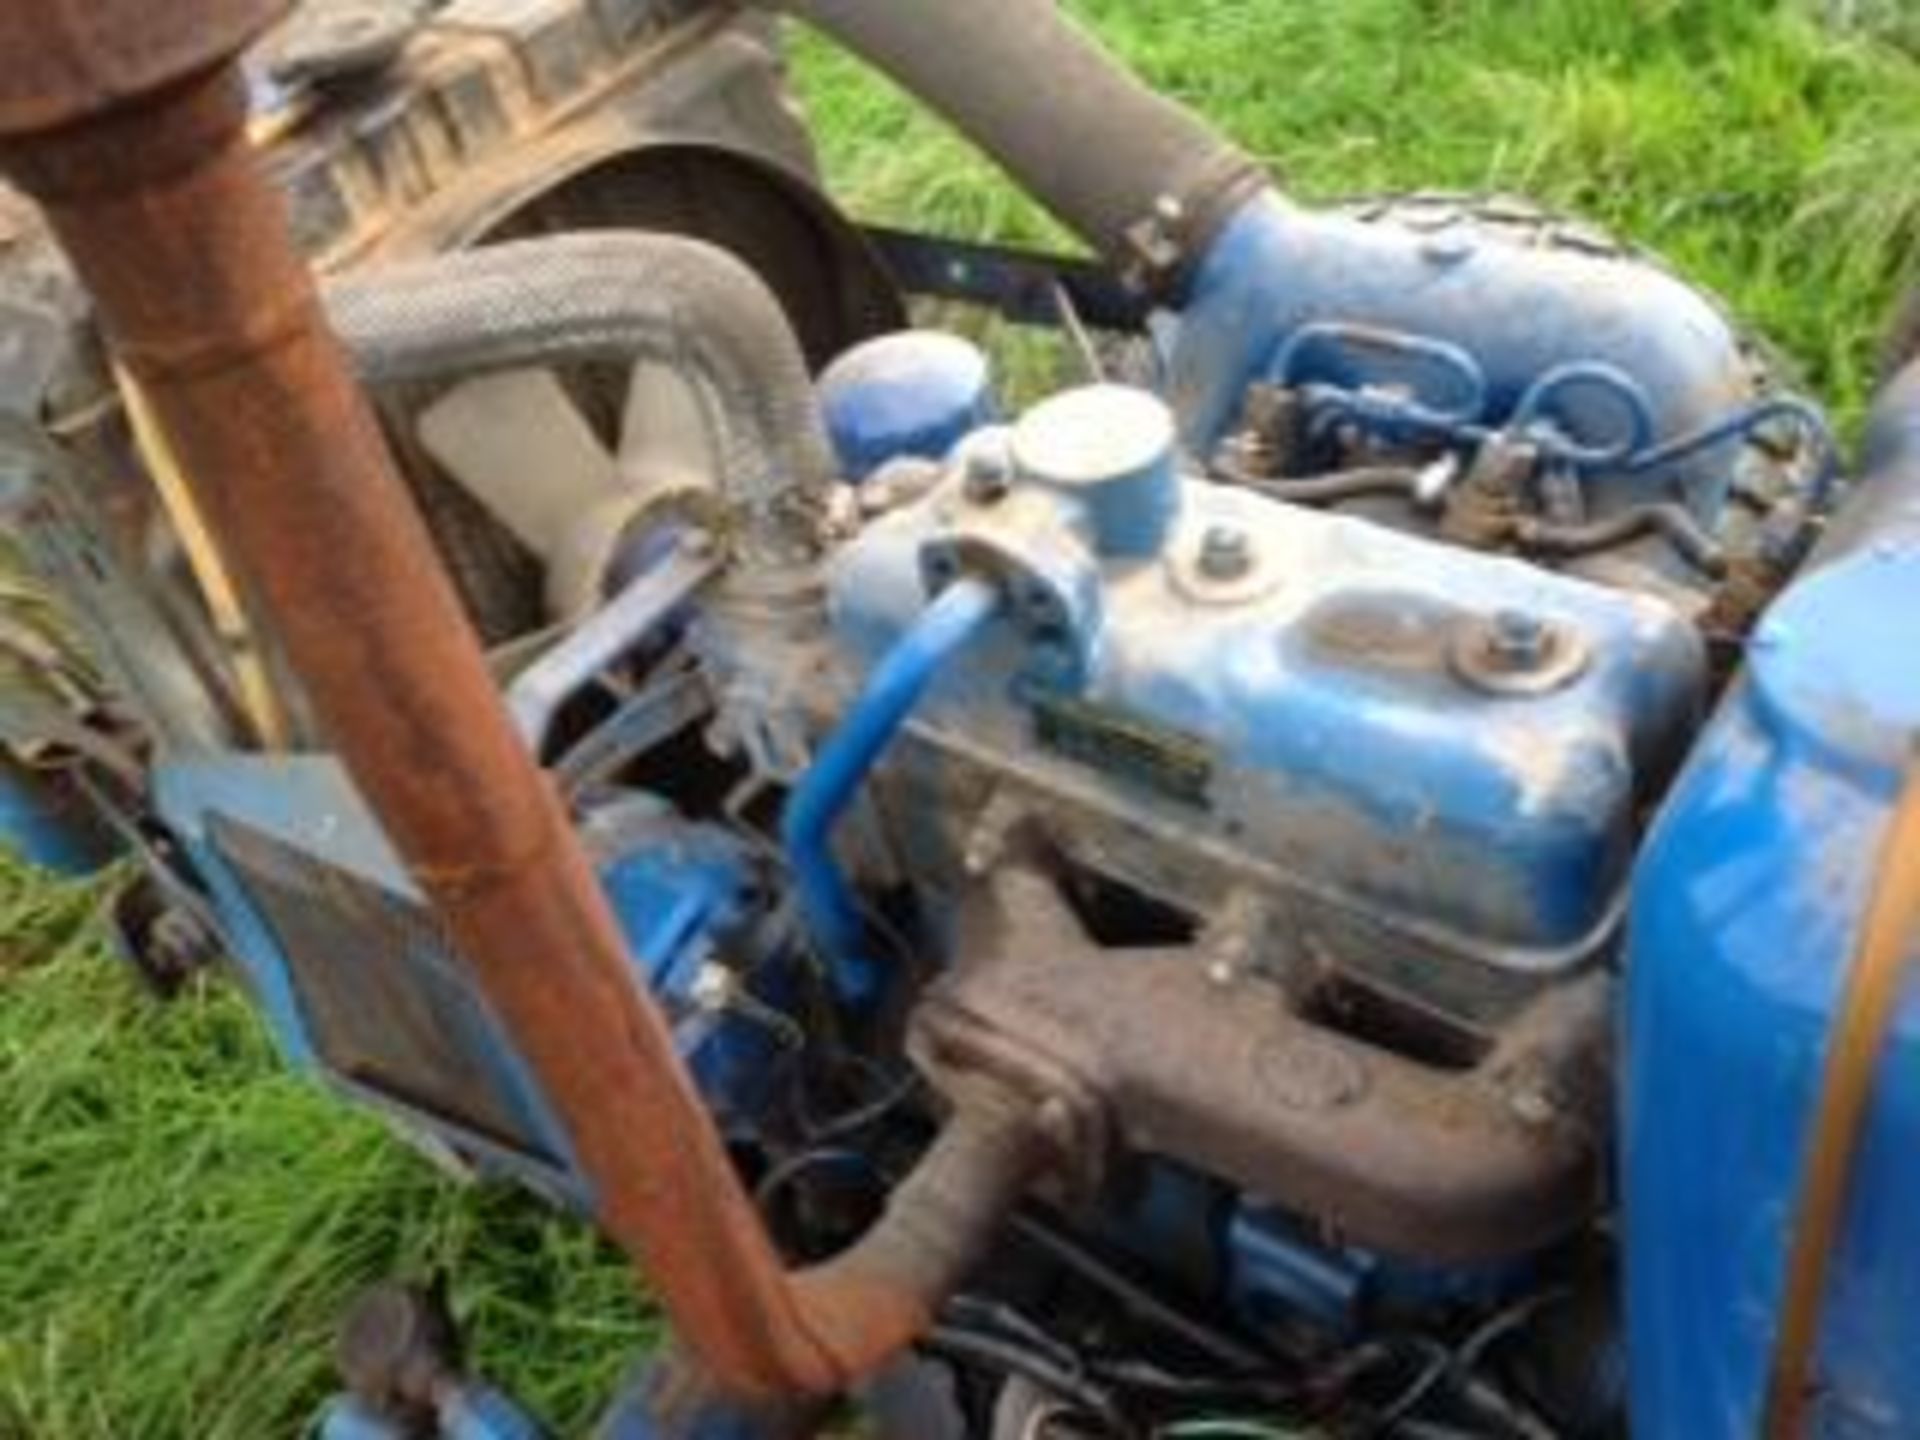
1220,767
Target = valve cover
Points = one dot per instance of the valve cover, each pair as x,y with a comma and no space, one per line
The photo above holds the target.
1351,748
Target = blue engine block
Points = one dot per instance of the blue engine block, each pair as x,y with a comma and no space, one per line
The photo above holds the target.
1427,760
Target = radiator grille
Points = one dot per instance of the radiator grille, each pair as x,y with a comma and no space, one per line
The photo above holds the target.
384,1001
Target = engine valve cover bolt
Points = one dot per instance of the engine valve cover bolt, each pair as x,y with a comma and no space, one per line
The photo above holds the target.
1517,640
1514,652
1226,552
988,475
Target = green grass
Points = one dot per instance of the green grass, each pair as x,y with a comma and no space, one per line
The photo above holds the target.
180,1220
1765,155
184,1219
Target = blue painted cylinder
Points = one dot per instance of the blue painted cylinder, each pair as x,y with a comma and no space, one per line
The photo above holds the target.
1745,916
44,819
1113,450
910,394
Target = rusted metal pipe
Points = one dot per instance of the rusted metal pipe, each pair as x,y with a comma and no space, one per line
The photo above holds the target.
126,121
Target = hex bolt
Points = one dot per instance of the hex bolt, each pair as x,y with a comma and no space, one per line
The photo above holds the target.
1226,552
1517,640
988,475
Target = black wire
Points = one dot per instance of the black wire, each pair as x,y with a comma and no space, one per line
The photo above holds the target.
974,1312
1009,1357
784,1172
860,1117
1448,1364
1204,1338
1144,1377
1439,1365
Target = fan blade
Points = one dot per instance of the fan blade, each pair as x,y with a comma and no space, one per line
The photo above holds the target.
519,445
664,444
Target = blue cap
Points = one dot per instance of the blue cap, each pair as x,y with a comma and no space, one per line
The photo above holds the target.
912,393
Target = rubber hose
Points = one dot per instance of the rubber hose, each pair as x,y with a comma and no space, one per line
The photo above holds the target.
1054,109
626,297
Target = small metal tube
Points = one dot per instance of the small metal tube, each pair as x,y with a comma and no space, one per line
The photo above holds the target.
948,626
640,611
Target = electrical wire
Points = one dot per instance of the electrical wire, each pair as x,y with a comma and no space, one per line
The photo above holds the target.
864,1117
1447,1364
784,1172
1227,1428
1206,1339
993,1352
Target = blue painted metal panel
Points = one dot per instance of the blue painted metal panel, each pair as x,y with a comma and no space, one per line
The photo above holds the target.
1746,904
670,890
308,802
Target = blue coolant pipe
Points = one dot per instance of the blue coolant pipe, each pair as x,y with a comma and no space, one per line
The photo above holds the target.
944,629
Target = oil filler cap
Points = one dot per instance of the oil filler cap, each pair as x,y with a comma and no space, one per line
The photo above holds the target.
1111,448
911,394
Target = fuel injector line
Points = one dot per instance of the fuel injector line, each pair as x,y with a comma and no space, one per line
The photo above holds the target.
955,618
126,122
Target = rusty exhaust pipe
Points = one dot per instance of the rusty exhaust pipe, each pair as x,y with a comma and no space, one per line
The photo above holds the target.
126,121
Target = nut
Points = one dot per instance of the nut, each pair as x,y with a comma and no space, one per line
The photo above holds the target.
1226,552
988,475
1517,640
1515,652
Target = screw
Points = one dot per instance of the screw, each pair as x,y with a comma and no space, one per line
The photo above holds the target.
1226,552
1517,640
